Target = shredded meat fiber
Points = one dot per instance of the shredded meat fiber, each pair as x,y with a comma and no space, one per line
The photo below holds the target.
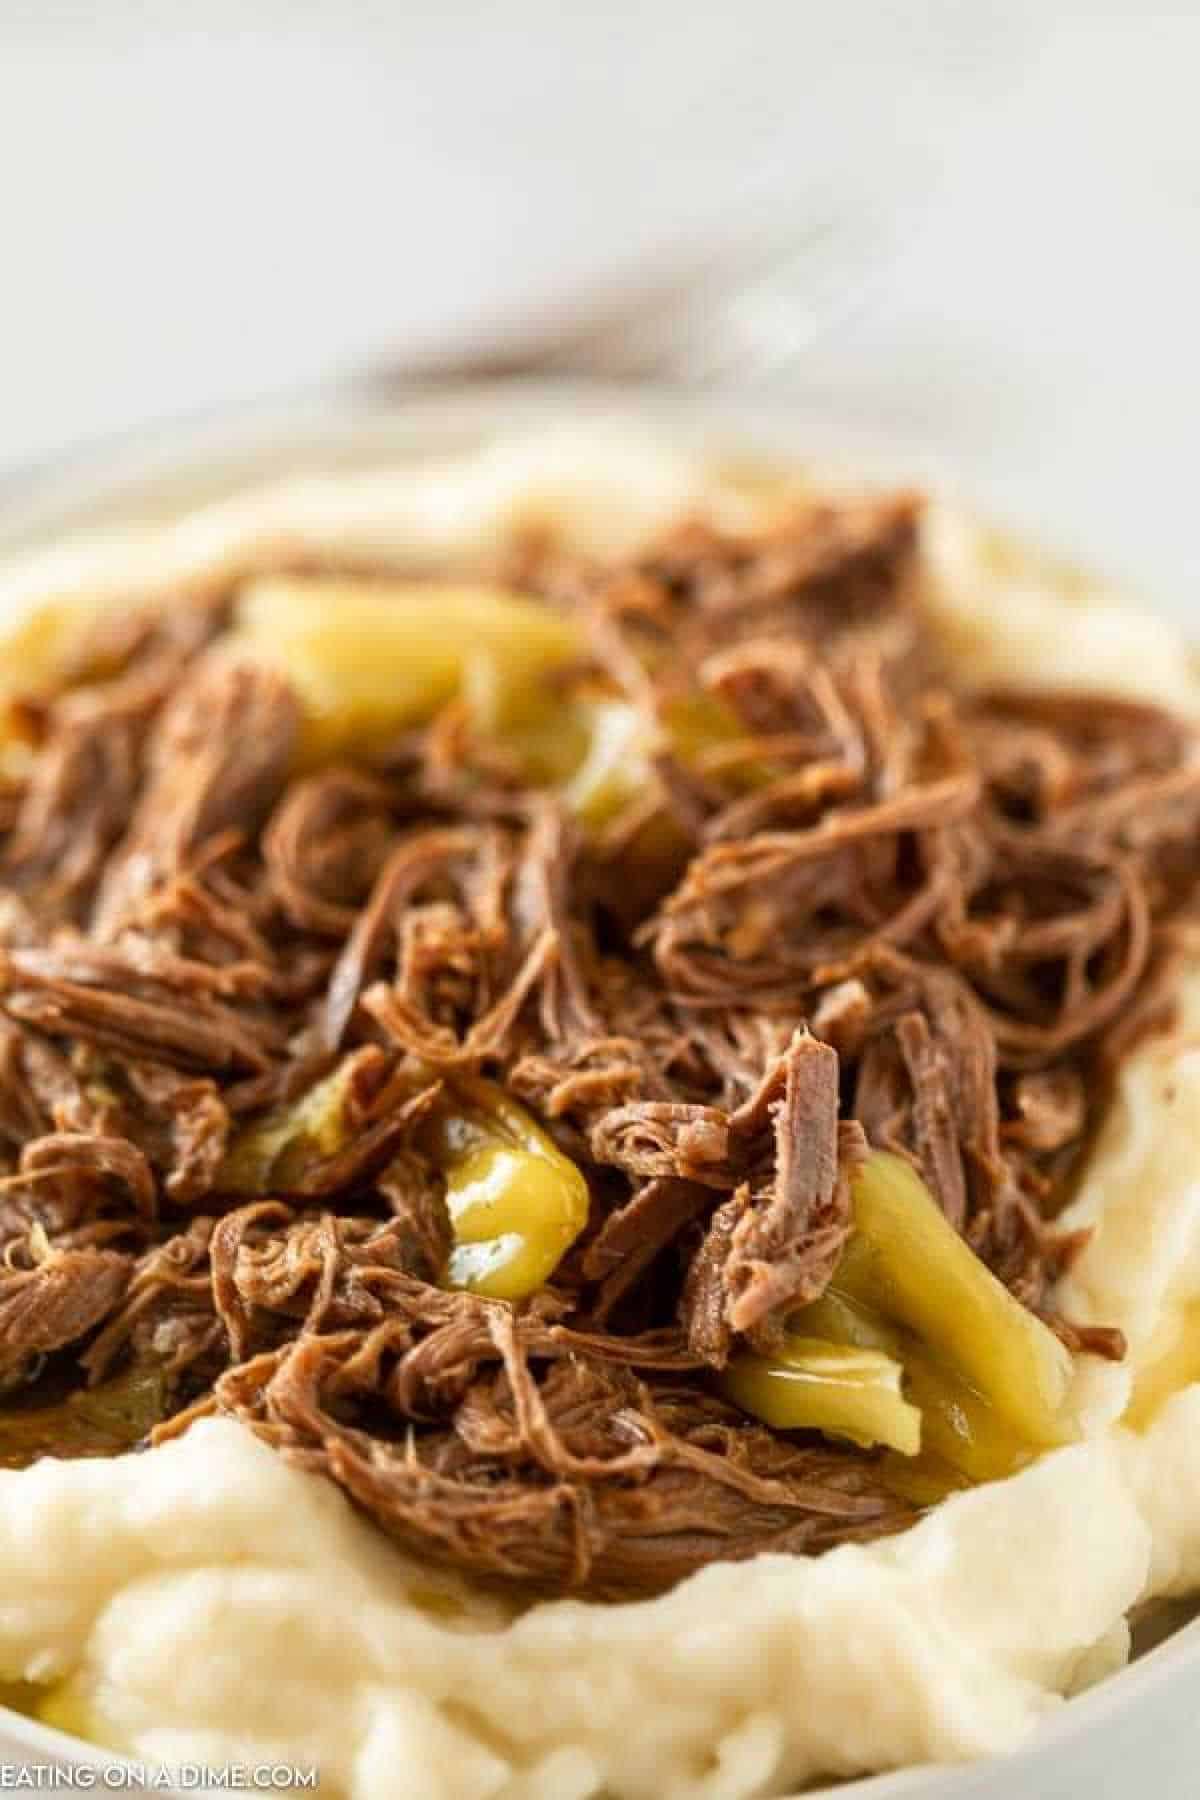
872,910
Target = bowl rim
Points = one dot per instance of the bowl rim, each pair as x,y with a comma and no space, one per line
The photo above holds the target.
197,456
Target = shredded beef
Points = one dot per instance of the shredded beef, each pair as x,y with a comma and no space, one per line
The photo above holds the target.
786,1244
217,760
847,905
588,1478
55,1302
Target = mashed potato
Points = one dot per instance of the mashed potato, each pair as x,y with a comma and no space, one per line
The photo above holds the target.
207,1602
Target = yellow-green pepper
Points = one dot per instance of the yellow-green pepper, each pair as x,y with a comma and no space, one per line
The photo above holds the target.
811,1384
960,1428
906,1262
369,657
516,1203
271,1152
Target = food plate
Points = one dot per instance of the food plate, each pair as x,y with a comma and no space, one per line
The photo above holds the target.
209,461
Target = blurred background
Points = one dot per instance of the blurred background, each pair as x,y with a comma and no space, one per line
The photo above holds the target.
968,227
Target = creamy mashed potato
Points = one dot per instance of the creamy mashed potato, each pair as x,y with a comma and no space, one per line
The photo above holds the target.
207,1602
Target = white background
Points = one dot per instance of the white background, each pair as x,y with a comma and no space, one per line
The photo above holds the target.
204,203
207,201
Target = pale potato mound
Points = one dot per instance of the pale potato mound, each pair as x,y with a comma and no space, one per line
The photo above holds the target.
206,1602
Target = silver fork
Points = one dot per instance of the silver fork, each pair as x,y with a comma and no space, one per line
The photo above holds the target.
745,313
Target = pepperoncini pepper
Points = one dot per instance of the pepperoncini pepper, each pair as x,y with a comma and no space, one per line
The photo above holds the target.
811,1384
962,1434
369,657
908,1263
270,1152
616,767
516,1203
984,1379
